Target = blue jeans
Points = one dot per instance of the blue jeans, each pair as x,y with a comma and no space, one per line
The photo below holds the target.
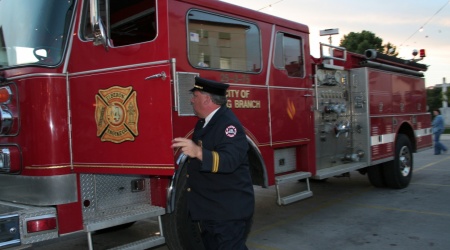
438,146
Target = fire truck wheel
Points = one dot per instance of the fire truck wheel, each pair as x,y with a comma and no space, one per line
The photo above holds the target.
375,175
398,173
179,230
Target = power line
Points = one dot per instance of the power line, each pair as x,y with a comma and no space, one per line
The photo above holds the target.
270,5
421,27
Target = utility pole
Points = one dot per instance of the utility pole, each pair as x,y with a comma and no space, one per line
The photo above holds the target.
445,111
444,94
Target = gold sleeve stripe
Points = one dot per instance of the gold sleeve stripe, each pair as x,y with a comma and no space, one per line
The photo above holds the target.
215,162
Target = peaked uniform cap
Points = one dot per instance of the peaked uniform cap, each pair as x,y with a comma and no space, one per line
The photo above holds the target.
210,86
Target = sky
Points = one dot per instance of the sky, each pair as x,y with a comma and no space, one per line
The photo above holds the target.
408,24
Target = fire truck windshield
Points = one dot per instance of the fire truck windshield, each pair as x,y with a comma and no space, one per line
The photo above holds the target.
33,31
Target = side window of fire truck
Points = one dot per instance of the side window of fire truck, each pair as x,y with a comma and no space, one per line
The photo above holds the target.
219,42
288,54
127,22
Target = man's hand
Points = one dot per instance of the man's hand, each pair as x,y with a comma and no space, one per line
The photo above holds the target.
188,147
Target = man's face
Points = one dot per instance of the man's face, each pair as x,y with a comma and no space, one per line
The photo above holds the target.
198,102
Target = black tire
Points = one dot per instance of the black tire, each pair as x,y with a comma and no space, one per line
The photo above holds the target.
375,175
179,230
398,173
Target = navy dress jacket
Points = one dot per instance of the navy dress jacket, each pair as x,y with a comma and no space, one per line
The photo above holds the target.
220,186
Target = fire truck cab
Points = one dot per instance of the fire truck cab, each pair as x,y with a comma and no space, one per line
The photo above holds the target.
92,92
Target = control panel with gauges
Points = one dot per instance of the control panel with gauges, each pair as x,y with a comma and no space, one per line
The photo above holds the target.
334,125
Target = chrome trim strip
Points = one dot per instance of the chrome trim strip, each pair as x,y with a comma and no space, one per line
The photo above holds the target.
70,43
69,121
398,114
6,216
89,71
119,68
39,190
364,73
47,167
254,86
11,242
272,41
173,63
36,75
123,167
301,140
316,90
289,88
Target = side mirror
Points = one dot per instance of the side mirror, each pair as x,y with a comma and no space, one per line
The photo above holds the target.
100,36
98,28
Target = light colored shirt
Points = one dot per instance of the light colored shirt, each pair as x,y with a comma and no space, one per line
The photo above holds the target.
208,118
438,124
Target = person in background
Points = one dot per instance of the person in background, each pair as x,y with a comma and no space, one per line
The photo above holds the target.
220,192
438,129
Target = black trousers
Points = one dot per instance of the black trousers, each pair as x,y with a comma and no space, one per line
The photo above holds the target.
225,234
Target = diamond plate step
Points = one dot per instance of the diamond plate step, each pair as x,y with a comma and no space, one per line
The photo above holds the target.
295,197
122,216
292,177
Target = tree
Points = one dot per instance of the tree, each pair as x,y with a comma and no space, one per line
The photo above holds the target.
435,98
360,42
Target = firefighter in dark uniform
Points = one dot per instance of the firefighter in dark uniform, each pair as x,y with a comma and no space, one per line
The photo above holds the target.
220,190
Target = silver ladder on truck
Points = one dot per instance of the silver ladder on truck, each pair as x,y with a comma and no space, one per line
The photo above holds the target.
289,178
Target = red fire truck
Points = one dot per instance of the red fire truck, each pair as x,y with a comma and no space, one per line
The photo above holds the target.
92,92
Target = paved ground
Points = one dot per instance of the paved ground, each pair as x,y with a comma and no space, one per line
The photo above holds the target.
344,213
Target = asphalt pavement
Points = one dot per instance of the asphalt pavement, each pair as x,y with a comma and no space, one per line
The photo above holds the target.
343,213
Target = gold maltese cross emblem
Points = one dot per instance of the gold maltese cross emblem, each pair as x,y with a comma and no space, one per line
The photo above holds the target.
116,114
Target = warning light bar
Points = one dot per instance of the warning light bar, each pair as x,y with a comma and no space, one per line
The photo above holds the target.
422,53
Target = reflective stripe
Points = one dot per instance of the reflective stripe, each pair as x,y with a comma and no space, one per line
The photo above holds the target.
388,138
423,132
381,139
215,162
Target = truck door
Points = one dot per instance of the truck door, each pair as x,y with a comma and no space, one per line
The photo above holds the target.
120,89
291,97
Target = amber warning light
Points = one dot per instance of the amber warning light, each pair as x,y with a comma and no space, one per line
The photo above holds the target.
5,95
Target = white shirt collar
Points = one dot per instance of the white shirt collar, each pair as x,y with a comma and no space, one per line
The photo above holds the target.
208,118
